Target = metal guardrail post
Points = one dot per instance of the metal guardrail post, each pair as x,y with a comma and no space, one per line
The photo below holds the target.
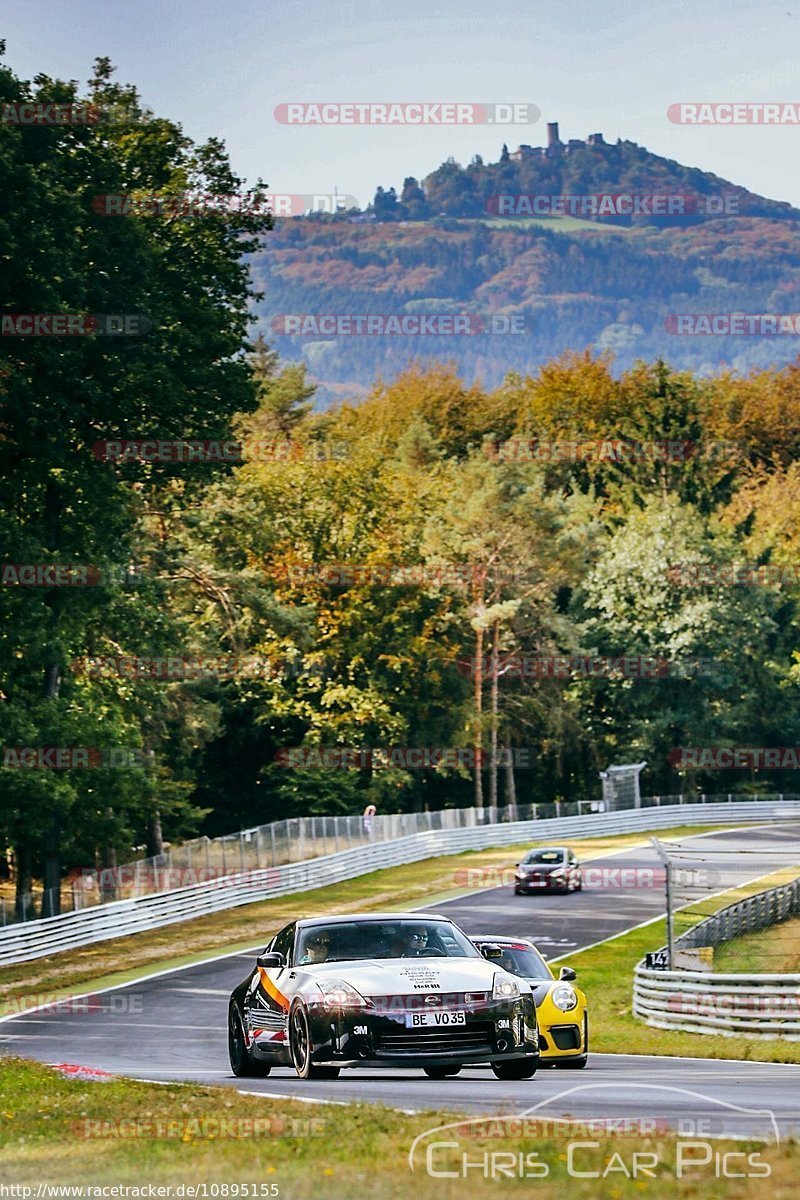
659,849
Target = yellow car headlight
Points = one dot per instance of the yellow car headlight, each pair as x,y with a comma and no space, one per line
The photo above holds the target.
564,997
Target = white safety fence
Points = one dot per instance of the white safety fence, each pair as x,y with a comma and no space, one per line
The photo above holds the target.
39,939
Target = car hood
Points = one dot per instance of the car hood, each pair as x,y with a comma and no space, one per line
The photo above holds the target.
380,977
542,868
540,988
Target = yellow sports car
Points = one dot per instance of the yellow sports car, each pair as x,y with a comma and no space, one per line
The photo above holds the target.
560,1005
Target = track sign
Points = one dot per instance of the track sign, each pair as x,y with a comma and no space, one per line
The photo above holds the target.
657,961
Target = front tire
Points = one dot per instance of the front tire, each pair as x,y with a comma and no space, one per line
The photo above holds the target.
518,1068
242,1064
300,1047
441,1072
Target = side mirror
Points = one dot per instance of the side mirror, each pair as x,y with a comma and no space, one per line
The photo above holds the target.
270,960
567,974
492,951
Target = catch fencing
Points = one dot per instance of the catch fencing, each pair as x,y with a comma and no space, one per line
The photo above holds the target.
51,935
208,860
750,915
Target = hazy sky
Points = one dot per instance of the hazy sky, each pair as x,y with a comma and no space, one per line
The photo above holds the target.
221,68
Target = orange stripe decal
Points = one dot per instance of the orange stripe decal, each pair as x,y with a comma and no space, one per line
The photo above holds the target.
272,991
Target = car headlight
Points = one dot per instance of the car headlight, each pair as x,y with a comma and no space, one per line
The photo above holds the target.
338,994
504,987
564,997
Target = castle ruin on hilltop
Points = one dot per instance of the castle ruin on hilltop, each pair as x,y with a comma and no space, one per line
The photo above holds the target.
555,147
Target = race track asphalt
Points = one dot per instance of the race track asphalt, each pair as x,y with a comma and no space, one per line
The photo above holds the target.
172,1026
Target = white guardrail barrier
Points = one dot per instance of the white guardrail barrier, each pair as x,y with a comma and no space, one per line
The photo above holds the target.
759,1006
50,935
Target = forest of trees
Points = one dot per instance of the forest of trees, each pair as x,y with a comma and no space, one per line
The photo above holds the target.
367,576
568,284
456,191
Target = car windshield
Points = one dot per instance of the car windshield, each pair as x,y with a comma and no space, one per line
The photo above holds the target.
347,940
520,959
544,856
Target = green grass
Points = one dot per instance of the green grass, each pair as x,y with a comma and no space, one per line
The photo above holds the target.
561,223
770,951
194,1135
120,960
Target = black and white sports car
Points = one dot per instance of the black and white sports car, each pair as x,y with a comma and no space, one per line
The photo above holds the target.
396,990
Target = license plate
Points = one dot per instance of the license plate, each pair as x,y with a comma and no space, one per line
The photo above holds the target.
416,1019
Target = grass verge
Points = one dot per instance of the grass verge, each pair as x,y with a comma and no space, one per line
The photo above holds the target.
770,951
119,960
68,1132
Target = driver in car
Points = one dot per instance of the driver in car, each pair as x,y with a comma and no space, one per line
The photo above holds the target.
411,941
316,949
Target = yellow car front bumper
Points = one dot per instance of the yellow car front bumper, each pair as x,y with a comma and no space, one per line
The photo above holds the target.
562,1035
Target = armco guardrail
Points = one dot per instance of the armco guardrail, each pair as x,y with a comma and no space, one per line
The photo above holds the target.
745,916
761,1006
37,939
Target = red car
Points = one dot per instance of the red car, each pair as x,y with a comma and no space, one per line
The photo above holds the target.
548,869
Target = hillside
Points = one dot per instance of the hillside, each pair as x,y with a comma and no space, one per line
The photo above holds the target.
608,283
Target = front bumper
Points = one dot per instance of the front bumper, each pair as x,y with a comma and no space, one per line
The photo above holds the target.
497,1031
564,1040
542,883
